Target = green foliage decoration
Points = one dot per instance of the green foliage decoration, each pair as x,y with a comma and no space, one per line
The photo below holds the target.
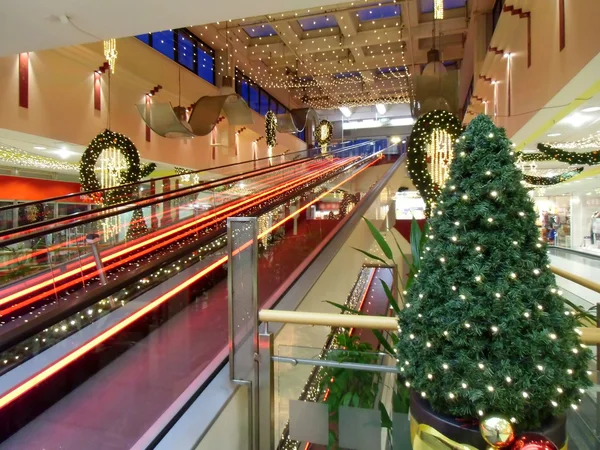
134,173
588,158
420,137
271,129
533,157
548,181
484,329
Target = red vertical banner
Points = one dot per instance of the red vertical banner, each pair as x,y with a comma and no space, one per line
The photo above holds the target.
176,201
24,80
561,24
153,208
97,91
528,39
166,213
148,131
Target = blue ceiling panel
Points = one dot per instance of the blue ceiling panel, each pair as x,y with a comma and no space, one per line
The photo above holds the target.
260,30
317,23
379,12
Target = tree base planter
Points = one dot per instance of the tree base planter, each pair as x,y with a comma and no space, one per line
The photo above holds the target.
432,431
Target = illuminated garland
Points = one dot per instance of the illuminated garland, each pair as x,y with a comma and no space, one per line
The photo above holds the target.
417,151
547,181
588,158
533,157
271,129
134,173
16,156
323,133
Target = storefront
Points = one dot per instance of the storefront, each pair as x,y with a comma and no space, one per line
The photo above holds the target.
571,217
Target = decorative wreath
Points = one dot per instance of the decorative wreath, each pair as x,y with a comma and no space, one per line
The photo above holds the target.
324,138
548,181
417,151
271,129
103,141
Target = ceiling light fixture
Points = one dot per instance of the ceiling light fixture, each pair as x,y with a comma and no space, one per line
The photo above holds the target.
345,111
361,124
576,120
39,147
381,108
591,109
402,121
553,134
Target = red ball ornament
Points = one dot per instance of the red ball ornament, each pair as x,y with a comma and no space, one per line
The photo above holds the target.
532,441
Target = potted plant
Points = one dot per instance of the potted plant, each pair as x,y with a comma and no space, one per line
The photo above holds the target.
484,330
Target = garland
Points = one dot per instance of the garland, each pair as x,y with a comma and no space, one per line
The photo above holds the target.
271,129
417,151
324,139
134,173
547,181
533,157
587,158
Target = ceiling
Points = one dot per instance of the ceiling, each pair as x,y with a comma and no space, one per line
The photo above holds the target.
352,54
32,25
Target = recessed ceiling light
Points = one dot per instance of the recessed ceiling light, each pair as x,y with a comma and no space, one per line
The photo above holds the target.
553,134
39,147
591,109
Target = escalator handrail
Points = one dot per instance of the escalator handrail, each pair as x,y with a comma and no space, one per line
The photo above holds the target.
137,183
114,210
39,323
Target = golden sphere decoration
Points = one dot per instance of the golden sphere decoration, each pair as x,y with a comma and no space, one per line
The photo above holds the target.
497,431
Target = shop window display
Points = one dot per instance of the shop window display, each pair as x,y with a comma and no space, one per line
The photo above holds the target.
570,220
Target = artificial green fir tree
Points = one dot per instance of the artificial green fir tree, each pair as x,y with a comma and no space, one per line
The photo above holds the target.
484,329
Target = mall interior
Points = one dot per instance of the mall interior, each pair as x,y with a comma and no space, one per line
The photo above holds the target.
300,225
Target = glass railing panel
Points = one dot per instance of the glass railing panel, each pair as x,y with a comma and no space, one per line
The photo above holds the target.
348,402
171,335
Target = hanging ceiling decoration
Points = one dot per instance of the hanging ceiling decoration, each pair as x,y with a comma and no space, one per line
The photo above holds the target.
433,133
440,152
110,53
295,120
170,122
15,156
438,9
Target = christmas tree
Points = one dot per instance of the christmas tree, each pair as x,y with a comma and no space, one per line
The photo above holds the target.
484,329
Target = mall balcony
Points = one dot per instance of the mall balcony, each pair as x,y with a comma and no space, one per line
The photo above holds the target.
214,221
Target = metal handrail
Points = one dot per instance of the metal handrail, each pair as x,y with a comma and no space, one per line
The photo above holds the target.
588,336
576,279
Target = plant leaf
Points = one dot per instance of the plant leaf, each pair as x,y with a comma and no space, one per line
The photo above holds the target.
369,255
384,343
385,248
390,296
415,242
408,263
344,308
386,422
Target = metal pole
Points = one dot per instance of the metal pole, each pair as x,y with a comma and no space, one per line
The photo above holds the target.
93,239
266,395
336,364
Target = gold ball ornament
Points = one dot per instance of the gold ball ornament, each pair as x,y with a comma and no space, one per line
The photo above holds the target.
497,431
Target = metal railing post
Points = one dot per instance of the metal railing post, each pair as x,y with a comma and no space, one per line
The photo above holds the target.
242,292
266,392
92,239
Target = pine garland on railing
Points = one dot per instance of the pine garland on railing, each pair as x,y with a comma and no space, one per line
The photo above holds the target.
548,181
588,158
